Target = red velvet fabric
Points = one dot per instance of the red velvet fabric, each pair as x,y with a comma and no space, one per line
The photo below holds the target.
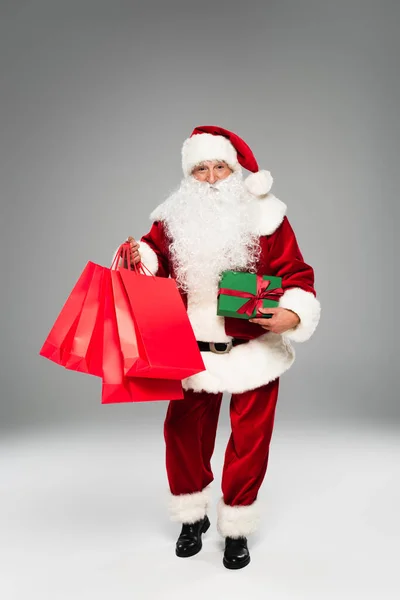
280,256
191,424
245,155
158,242
190,430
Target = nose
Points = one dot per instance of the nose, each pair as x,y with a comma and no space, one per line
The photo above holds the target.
211,177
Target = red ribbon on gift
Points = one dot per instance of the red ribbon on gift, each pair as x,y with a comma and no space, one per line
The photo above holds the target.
255,300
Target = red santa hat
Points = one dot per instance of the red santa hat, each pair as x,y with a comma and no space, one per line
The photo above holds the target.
210,142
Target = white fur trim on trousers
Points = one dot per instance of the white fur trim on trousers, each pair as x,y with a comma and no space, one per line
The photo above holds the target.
189,508
237,521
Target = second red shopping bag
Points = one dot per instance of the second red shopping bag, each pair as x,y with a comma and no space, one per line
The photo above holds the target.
166,341
85,351
61,335
117,387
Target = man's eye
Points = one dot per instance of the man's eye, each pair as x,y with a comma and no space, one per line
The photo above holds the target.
220,166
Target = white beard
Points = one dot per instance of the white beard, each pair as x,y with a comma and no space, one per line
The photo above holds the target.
210,227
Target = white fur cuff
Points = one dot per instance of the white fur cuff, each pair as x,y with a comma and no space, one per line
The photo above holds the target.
306,305
149,257
189,508
237,521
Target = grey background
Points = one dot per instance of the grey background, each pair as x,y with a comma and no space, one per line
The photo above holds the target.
96,100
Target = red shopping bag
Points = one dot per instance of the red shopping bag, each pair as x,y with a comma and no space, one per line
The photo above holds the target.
81,348
116,386
133,389
85,352
125,322
62,333
166,342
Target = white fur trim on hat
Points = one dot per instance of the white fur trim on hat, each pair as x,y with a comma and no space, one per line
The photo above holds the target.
260,183
237,521
206,146
307,307
189,508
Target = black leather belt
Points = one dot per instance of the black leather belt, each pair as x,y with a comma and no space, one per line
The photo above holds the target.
219,347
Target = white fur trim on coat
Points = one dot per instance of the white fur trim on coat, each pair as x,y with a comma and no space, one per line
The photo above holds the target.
245,367
149,257
189,508
308,308
259,183
206,146
206,324
237,521
268,214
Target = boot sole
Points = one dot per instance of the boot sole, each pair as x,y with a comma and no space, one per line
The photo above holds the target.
235,566
197,549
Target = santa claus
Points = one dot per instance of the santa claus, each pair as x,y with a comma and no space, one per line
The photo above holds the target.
216,221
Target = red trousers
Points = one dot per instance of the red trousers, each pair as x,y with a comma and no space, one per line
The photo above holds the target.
190,429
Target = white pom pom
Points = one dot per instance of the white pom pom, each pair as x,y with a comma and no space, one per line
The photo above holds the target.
260,183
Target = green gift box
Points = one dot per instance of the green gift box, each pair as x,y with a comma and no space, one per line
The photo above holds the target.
242,294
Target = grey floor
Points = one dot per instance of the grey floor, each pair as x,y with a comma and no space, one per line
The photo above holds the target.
82,513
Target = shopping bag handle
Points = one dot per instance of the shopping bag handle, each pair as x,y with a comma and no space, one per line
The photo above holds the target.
143,268
124,252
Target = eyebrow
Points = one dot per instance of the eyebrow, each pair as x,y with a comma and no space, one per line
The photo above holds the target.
203,164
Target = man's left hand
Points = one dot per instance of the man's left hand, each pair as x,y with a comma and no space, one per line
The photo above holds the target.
282,319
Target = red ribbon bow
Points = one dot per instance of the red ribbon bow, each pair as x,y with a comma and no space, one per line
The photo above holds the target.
255,300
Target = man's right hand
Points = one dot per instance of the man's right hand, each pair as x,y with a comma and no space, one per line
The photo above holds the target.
135,257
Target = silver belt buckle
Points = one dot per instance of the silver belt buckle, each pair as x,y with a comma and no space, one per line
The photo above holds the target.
229,346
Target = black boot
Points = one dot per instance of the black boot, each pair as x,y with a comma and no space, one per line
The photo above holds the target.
236,555
189,542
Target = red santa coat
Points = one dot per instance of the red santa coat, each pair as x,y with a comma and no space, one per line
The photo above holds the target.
266,355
